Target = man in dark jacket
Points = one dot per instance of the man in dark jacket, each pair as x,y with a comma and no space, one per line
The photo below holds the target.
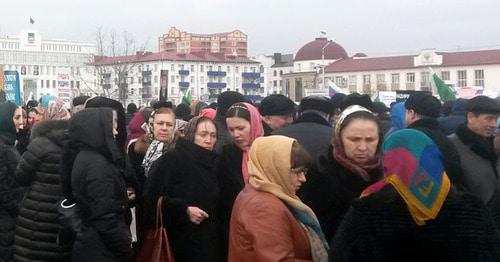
422,111
479,161
449,124
311,129
277,112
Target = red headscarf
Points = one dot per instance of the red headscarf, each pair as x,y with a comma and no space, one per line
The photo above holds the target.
256,130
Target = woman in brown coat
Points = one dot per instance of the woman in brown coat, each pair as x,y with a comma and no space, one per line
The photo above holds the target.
268,221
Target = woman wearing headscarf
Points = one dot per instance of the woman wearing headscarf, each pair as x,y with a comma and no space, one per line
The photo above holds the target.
244,124
37,225
97,186
415,213
351,164
269,222
187,180
11,121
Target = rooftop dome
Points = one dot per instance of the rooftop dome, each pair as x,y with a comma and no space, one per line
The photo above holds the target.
360,55
313,50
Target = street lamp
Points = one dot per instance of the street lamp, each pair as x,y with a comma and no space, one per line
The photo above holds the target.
323,61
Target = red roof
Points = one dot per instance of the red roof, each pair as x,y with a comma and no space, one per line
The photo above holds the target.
313,50
483,57
172,56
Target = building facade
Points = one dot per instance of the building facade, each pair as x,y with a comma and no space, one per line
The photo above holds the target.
143,77
59,68
283,64
308,67
478,70
230,43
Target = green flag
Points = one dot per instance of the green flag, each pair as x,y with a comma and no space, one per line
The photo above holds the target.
187,98
445,92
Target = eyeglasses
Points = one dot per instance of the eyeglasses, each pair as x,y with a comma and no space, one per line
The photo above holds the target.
299,170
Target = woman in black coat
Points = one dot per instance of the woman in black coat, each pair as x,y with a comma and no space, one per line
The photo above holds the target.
10,192
415,213
97,185
37,225
351,164
186,178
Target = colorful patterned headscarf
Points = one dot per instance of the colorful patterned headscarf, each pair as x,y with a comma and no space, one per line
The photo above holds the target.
413,166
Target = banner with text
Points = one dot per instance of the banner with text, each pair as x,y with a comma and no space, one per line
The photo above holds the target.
12,87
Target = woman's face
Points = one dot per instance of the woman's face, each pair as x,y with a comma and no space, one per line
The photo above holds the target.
163,127
18,119
297,178
239,129
206,135
360,140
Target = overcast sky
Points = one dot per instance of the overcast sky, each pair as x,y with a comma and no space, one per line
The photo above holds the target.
383,27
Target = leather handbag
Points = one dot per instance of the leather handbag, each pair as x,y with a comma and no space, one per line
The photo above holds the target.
155,246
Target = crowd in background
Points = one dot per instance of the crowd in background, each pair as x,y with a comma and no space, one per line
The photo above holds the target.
332,179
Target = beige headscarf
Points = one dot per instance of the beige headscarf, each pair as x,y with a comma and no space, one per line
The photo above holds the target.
269,167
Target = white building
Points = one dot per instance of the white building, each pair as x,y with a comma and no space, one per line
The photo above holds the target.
142,76
469,69
49,67
283,64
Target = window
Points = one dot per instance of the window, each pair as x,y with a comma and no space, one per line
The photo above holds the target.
236,70
479,78
202,80
78,84
219,68
172,79
366,79
48,83
41,83
53,83
192,68
410,77
210,68
380,79
181,67
155,79
445,75
172,67
395,79
281,83
462,78
275,83
192,79
353,81
72,84
201,68
156,68
275,73
228,69
36,70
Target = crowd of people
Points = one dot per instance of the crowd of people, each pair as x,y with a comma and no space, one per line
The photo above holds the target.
332,179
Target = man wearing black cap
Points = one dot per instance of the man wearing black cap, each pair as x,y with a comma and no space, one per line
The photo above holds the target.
474,142
311,129
422,111
277,112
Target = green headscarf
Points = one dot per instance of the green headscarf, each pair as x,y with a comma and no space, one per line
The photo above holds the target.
7,128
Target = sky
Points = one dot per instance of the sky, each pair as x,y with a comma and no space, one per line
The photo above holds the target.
377,28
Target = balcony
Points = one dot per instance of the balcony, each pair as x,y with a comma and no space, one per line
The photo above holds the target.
250,75
184,72
216,73
216,85
250,86
146,73
183,84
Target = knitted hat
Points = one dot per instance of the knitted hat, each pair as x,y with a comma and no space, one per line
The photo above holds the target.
319,103
483,104
276,105
424,104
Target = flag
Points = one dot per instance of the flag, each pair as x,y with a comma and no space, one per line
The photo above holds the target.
334,89
187,98
31,20
445,92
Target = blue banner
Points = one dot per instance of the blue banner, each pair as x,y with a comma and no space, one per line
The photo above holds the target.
12,87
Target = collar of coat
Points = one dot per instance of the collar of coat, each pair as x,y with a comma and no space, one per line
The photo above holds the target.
312,118
483,147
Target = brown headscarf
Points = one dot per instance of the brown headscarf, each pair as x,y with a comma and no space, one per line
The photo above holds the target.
339,152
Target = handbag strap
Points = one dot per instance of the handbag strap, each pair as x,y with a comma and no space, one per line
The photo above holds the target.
159,212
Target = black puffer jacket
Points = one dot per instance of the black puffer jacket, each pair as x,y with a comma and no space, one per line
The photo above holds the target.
37,224
10,192
98,188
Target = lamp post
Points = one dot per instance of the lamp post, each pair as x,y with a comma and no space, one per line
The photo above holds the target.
323,61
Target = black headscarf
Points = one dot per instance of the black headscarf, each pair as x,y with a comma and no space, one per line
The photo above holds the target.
7,128
99,101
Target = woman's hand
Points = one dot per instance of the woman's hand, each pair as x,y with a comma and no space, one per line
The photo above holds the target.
196,215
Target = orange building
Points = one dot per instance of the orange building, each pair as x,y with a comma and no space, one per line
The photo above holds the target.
230,44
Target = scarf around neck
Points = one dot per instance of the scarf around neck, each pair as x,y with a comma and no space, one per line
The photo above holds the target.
413,166
256,130
269,171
